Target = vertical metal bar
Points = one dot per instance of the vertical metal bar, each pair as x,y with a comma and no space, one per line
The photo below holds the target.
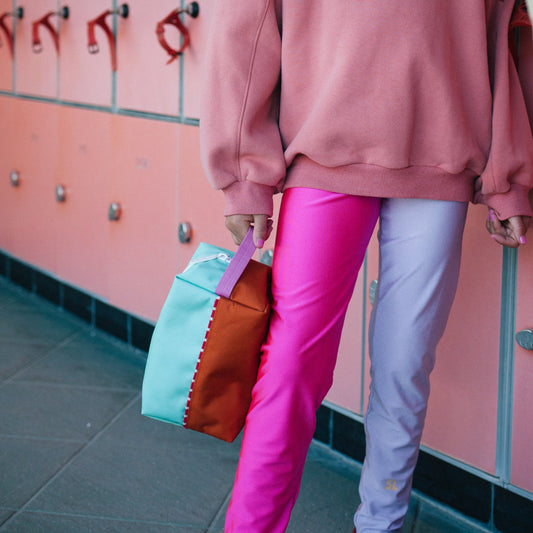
58,63
114,73
506,367
14,64
182,74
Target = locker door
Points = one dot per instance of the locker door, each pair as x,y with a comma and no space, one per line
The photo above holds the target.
202,206
193,60
6,59
522,459
30,225
84,170
7,165
144,81
85,77
142,254
199,204
464,397
36,73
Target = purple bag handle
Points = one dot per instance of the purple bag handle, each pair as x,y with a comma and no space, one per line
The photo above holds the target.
236,266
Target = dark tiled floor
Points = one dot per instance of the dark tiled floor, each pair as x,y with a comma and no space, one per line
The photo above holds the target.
76,456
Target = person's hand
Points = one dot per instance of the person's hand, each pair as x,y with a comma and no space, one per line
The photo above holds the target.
510,232
239,225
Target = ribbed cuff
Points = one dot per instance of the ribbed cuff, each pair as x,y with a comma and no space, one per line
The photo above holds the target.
249,198
515,202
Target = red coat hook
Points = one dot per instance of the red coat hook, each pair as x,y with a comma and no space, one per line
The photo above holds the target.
100,20
173,18
45,21
19,13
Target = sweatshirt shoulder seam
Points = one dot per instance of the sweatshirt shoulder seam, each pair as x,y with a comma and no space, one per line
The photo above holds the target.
247,90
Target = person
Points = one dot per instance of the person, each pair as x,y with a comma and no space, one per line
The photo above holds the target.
358,110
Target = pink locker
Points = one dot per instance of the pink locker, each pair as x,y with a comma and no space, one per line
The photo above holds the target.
28,210
522,458
142,248
85,77
6,57
464,397
200,205
7,166
144,81
37,72
84,171
193,60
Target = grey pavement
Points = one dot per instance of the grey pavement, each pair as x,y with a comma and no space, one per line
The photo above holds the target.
76,455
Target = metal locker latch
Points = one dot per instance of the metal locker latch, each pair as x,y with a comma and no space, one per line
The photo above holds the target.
61,193
14,177
185,232
525,339
115,211
372,291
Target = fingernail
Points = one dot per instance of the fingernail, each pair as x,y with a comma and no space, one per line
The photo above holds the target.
491,215
260,243
493,237
523,240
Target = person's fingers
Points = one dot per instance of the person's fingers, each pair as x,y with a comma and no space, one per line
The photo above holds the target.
518,227
505,240
238,225
260,230
510,232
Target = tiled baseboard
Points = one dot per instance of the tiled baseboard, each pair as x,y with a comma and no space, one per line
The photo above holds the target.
477,498
467,493
128,328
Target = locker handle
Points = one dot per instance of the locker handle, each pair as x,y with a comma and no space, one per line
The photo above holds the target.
173,19
37,46
100,20
19,13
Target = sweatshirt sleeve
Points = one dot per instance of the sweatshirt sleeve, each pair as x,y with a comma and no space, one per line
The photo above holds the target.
507,179
241,147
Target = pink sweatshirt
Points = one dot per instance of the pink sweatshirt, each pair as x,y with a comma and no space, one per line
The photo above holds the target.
388,98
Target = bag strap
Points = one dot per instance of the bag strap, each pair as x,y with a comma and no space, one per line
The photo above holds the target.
236,266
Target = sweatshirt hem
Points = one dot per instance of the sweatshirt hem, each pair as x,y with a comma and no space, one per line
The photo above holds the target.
364,179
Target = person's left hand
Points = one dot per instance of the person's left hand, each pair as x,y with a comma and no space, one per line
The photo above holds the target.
510,232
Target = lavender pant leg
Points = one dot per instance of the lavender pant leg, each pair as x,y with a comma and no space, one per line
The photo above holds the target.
420,253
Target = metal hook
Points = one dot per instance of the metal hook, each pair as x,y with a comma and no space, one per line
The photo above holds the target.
18,14
37,47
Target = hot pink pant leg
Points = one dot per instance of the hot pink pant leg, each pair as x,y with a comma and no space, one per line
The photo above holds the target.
321,243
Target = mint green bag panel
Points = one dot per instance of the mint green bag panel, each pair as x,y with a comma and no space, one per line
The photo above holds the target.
181,329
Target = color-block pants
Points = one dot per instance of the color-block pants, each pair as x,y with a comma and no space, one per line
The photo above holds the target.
321,243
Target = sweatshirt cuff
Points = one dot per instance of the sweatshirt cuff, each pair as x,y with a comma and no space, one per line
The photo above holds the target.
514,202
249,198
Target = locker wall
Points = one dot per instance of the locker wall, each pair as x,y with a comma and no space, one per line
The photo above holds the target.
131,136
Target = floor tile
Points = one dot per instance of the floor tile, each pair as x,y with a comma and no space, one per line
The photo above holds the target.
27,464
328,496
147,433
5,514
53,523
90,360
14,356
434,519
125,482
33,325
28,409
